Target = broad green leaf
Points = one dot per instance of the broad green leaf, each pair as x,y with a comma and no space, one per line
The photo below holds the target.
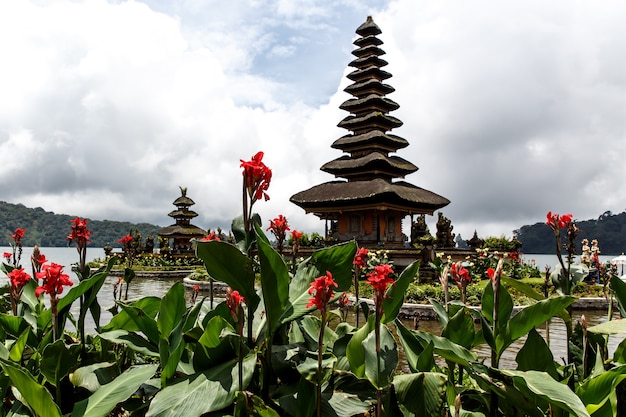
13,325
595,392
522,287
202,393
225,262
216,345
274,282
536,314
422,394
17,350
394,298
309,367
620,352
172,310
104,400
133,341
35,395
536,355
91,377
149,307
619,289
445,348
58,359
505,308
380,366
75,292
577,273
438,308
543,386
310,326
460,328
356,352
609,327
338,260
412,347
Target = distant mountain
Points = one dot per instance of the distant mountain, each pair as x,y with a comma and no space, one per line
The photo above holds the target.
47,229
609,229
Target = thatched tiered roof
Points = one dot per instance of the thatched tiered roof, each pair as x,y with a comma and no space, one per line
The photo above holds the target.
368,169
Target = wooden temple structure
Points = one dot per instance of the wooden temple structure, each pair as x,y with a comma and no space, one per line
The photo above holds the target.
182,231
368,202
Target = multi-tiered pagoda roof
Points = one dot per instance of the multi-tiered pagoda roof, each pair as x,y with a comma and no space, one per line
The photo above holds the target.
182,231
369,173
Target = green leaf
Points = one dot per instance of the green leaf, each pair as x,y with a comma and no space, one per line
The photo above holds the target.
225,262
133,341
536,355
149,306
251,405
423,393
536,314
460,328
308,368
92,377
619,289
541,385
17,350
412,347
274,282
338,260
35,395
356,351
577,273
216,345
204,392
596,392
380,366
58,359
445,348
395,294
172,310
104,400
505,308
609,327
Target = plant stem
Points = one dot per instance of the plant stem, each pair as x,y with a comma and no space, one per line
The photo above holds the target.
320,356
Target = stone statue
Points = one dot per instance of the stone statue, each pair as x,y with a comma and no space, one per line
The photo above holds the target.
445,237
419,229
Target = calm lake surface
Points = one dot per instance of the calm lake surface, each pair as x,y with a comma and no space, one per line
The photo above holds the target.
141,287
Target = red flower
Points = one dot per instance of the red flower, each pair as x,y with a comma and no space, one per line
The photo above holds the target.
125,240
295,235
514,256
323,289
41,259
343,300
18,235
556,221
19,278
279,226
257,177
196,288
233,302
80,234
460,274
7,255
210,237
359,257
53,280
379,279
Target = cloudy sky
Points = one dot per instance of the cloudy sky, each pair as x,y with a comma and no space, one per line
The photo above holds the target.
511,108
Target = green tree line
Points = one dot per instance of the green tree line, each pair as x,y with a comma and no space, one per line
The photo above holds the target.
48,229
609,229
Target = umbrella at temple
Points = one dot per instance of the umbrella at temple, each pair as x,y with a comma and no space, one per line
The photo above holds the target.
619,260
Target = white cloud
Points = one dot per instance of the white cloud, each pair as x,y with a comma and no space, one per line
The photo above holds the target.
511,109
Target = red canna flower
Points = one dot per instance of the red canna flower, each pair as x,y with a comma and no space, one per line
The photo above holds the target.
295,235
491,273
279,226
79,234
556,221
18,235
322,291
210,237
344,300
360,257
233,302
380,280
19,278
125,240
460,274
7,255
196,287
257,177
53,280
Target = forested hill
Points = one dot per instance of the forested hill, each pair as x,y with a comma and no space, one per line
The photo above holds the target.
609,229
47,229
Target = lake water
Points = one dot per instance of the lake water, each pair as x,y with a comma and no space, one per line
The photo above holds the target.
141,287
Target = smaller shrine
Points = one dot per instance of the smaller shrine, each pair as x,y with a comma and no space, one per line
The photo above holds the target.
181,232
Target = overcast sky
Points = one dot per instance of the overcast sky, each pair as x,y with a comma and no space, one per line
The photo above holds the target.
511,108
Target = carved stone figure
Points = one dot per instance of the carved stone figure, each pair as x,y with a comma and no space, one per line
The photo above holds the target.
445,237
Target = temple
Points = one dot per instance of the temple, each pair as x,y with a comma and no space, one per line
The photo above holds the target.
368,203
182,231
